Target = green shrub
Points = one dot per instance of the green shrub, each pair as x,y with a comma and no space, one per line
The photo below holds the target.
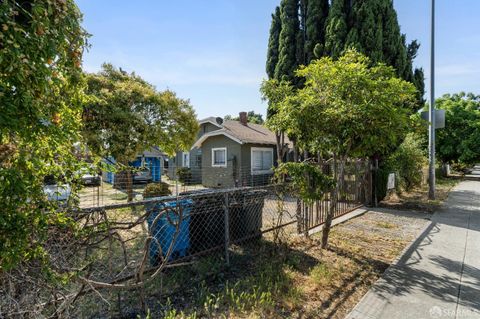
407,163
184,175
156,190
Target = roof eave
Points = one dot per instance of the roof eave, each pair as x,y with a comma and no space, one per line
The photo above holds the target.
202,139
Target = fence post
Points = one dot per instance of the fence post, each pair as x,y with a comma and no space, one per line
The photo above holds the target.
368,183
300,219
227,230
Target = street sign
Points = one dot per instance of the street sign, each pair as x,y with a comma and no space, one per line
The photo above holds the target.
439,118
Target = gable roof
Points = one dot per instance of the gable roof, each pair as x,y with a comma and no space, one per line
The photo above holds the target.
212,120
249,134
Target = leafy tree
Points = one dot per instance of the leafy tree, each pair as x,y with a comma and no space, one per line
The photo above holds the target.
41,45
307,179
125,115
347,108
276,93
252,117
316,17
273,43
287,59
459,142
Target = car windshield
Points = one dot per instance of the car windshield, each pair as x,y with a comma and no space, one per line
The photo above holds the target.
143,172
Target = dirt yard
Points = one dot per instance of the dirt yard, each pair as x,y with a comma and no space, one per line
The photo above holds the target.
295,279
106,194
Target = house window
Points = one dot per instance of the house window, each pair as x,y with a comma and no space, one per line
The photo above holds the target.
262,160
219,157
198,160
186,159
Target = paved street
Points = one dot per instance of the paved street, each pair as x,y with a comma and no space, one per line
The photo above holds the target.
438,276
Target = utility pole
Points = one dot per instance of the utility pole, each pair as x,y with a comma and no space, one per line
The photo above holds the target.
431,112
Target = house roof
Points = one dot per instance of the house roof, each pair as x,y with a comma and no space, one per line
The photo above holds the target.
243,134
212,120
153,152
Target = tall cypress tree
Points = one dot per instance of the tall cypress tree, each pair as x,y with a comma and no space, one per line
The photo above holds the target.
287,59
337,28
416,76
304,29
273,43
316,18
366,29
419,82
394,46
301,35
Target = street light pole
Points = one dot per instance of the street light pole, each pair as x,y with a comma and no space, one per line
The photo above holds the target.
431,112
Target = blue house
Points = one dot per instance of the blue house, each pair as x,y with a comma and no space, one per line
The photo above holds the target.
151,159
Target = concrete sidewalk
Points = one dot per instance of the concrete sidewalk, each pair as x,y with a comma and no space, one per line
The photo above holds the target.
438,276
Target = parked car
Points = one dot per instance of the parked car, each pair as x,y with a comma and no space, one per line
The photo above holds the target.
142,176
89,176
55,190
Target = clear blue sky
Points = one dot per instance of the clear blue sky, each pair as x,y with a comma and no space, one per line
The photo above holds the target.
213,52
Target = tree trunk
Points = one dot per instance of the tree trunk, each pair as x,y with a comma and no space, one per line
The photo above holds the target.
333,199
375,183
368,183
295,151
278,137
301,225
341,180
129,186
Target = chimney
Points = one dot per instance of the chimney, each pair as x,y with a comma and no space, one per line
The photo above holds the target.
243,118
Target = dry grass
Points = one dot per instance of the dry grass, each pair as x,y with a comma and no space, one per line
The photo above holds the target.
417,198
299,280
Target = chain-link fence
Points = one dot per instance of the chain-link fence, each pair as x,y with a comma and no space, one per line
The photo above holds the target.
123,255
122,186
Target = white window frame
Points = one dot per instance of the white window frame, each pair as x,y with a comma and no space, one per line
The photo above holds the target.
187,164
213,157
263,149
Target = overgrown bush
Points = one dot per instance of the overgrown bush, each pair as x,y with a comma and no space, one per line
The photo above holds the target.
156,190
407,163
381,182
184,175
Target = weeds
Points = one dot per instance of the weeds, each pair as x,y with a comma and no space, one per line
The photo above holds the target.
321,274
261,292
386,225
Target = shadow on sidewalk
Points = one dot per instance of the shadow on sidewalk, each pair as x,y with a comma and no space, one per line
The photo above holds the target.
405,278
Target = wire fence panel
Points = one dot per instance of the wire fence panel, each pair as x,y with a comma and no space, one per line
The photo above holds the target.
108,253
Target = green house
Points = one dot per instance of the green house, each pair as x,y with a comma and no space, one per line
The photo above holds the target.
234,153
